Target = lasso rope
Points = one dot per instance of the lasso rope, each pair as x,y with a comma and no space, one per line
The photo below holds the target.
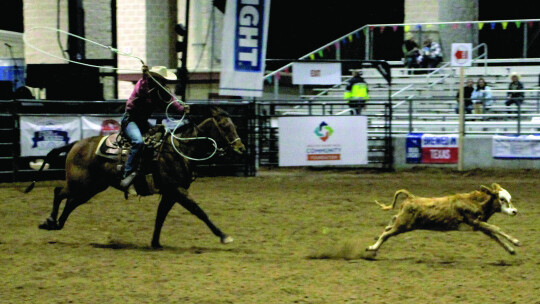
178,122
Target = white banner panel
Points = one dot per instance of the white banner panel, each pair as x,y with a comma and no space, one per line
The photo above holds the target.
243,53
41,134
94,126
316,73
322,140
524,146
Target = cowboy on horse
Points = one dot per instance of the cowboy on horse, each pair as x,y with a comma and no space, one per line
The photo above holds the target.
148,95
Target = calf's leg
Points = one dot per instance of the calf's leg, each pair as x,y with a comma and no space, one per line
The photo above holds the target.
496,230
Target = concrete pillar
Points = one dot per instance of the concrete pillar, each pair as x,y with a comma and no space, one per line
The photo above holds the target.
458,10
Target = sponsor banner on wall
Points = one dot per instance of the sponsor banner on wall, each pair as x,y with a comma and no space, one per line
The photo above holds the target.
516,147
243,53
319,73
432,149
322,140
41,134
97,125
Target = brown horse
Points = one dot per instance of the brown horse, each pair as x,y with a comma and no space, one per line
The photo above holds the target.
87,174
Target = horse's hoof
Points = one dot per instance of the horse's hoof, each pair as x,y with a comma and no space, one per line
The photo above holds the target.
49,224
226,240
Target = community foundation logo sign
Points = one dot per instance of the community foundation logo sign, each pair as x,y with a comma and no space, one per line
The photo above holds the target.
324,131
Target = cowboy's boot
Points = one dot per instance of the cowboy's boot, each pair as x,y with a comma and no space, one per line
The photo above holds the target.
126,182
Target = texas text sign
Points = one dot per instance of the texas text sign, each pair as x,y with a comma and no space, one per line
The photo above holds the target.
432,149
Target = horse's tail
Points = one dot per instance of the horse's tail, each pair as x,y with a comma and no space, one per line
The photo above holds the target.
389,207
51,155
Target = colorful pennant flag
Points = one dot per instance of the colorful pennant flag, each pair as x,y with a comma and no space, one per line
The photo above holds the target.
337,45
504,25
518,24
468,25
442,26
350,38
269,79
395,27
455,26
278,76
321,53
381,29
312,56
492,25
480,25
406,28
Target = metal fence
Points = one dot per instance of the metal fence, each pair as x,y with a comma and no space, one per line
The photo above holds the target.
14,167
380,155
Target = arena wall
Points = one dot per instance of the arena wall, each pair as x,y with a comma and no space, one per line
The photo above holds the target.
477,154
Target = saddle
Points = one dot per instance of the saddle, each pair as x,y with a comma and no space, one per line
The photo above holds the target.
116,147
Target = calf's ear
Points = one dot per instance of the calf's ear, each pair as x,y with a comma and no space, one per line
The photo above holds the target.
485,189
496,187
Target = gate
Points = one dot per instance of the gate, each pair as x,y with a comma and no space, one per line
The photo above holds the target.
380,155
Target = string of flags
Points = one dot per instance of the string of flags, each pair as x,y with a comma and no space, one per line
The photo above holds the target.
407,28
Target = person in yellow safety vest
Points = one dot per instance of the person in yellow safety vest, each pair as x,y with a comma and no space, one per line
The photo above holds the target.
356,93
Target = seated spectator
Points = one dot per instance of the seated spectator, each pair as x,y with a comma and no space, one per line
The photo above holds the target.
467,93
411,52
481,97
431,54
515,97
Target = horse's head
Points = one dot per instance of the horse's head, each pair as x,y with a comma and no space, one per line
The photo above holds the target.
223,131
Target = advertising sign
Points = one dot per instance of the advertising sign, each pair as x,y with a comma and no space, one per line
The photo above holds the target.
461,54
319,73
94,125
432,149
322,140
243,55
41,134
516,147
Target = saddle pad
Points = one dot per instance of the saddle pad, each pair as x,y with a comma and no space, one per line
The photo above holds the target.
108,146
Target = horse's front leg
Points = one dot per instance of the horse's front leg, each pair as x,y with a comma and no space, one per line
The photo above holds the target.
187,202
164,207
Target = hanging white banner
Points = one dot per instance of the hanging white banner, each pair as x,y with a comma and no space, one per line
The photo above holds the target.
322,140
515,147
243,53
319,73
97,125
39,134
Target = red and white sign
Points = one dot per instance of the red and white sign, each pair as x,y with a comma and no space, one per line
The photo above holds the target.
439,149
461,54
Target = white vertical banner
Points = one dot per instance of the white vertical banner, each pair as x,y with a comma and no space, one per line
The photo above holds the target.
39,134
243,54
99,125
323,140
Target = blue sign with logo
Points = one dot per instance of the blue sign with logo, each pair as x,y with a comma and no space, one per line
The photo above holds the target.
248,44
413,146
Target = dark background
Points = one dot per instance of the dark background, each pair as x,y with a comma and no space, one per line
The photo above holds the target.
300,26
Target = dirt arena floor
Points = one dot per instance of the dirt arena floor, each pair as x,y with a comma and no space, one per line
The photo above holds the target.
299,236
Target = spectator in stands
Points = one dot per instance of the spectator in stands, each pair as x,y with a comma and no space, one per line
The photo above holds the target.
481,97
467,93
411,52
431,54
515,97
356,93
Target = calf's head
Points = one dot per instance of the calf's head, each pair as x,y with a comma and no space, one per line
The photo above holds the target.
502,200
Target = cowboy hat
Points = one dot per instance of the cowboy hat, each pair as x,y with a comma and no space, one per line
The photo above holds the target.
161,71
515,74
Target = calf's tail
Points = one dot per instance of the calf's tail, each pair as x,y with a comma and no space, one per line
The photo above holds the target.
51,155
389,207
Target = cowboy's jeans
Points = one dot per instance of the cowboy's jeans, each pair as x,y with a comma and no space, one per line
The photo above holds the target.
133,132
